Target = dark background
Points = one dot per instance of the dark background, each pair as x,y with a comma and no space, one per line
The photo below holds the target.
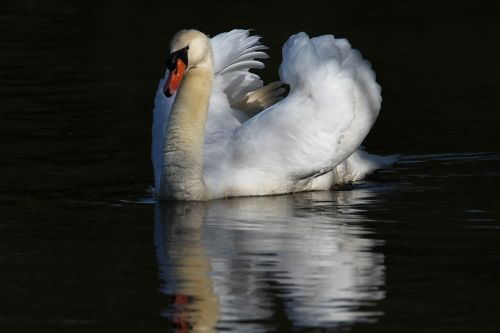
77,81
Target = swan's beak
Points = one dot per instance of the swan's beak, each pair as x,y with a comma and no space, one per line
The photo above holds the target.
174,79
177,64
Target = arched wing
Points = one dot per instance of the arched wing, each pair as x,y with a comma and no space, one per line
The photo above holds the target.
237,93
333,102
235,53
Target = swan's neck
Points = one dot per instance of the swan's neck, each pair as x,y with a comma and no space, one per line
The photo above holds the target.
182,172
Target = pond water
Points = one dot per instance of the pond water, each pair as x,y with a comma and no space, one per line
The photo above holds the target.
84,246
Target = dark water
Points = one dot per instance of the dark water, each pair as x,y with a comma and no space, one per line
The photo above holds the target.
83,247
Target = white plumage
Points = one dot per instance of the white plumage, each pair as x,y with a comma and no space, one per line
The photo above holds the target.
307,141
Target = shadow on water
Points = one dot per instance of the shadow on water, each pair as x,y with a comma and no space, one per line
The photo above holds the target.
265,263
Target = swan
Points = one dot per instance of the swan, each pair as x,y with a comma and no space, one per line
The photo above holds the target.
219,132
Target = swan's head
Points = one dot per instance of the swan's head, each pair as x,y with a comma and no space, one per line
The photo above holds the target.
188,49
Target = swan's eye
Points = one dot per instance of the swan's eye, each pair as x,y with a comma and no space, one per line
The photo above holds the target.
170,63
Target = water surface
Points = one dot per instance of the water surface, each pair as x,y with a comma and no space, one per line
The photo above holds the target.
84,246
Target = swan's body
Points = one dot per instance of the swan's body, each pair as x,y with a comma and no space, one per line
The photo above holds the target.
206,145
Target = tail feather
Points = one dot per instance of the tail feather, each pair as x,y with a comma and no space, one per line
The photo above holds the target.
361,164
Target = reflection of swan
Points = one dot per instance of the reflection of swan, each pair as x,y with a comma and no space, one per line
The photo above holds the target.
191,272
208,144
241,260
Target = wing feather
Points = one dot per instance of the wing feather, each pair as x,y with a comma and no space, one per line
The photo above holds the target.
235,53
333,102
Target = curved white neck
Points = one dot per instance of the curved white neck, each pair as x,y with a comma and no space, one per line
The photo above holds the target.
182,171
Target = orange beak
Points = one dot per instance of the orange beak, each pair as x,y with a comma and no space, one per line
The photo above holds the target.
174,78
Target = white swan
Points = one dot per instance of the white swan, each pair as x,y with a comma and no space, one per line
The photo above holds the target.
208,144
